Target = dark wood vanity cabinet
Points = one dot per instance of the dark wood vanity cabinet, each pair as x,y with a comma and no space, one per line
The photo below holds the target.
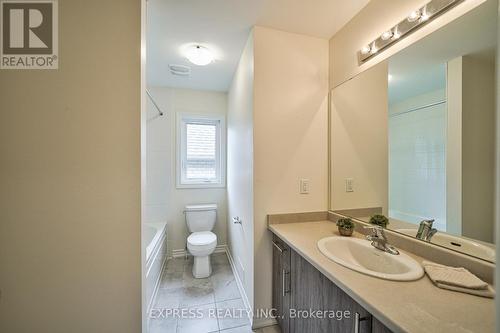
281,283
307,301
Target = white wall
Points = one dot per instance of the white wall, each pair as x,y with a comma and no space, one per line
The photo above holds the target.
164,202
70,175
240,184
290,136
353,120
158,182
417,159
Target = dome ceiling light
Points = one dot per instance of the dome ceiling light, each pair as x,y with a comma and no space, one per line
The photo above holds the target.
199,55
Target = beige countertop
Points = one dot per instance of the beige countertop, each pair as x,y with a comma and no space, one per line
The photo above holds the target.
416,306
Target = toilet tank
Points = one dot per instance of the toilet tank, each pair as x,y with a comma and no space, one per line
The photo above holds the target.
201,217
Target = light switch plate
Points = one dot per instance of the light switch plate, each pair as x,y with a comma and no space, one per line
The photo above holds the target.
304,186
349,185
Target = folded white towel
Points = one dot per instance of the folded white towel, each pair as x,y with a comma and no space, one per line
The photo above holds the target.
457,279
488,292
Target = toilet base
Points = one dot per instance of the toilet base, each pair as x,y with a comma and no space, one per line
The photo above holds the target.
201,267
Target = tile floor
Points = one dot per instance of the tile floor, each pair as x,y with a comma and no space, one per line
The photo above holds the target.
198,300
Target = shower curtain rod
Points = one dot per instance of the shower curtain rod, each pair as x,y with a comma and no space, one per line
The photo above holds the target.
418,108
154,103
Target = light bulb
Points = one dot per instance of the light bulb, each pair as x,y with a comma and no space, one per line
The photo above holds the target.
387,35
374,48
365,50
199,55
415,15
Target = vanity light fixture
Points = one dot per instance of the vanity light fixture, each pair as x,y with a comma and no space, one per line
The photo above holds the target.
414,21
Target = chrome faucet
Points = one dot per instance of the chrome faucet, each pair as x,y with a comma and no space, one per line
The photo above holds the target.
425,230
379,240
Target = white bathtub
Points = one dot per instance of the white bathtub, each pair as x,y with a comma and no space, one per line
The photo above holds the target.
156,251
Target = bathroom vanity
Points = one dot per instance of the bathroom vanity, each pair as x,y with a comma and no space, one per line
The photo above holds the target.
299,287
412,139
304,279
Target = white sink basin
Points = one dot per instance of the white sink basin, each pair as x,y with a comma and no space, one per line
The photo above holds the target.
359,255
457,243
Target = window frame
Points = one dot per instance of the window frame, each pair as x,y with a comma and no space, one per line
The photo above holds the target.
220,150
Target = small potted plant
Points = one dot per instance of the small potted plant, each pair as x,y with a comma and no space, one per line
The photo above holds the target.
346,226
379,220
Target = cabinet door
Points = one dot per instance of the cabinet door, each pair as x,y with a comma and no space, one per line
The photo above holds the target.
312,293
378,327
281,283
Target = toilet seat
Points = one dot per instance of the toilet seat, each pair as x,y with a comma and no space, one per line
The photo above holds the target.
201,238
202,243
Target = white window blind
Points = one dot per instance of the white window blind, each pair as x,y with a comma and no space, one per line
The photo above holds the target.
201,150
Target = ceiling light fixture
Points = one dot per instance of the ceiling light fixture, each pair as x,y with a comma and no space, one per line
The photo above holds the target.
414,21
199,55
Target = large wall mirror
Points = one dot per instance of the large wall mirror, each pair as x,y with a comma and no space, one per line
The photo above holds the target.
413,138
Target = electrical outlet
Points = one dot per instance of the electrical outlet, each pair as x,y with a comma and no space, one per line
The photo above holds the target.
349,185
304,186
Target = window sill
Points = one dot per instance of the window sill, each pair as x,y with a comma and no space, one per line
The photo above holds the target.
199,186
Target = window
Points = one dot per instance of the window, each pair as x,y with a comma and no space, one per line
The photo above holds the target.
200,151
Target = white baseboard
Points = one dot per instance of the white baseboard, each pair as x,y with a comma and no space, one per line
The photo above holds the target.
239,282
263,322
256,322
179,253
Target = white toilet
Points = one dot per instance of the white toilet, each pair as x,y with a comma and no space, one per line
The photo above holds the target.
202,241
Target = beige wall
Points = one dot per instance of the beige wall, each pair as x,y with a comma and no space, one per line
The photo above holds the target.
471,133
240,195
478,147
497,174
165,202
290,136
376,17
353,120
70,173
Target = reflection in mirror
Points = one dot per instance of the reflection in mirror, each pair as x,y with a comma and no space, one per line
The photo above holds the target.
422,148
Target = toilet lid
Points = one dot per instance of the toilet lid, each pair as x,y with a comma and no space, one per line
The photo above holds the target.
202,238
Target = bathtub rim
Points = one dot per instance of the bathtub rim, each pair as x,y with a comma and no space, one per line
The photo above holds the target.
155,243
